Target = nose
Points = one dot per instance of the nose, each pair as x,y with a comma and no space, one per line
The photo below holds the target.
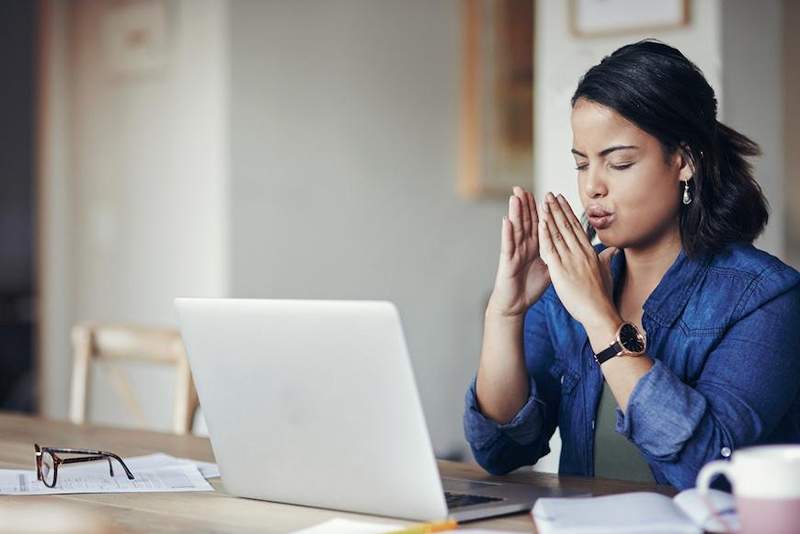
594,185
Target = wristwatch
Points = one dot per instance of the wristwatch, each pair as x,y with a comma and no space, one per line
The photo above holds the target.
629,341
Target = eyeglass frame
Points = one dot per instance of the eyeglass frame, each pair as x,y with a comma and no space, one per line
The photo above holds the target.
57,461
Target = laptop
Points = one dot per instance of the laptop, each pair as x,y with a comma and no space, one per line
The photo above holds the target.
314,403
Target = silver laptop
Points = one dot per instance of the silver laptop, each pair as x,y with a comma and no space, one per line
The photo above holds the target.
314,403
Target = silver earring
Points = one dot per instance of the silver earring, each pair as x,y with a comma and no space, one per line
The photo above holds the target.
686,198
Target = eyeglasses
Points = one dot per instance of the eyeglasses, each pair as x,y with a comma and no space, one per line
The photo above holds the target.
47,462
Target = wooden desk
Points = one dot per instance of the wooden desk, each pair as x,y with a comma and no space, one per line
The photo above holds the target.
218,511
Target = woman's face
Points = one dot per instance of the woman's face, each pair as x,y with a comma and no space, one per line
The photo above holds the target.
629,191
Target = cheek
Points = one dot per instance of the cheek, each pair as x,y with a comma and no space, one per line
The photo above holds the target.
647,200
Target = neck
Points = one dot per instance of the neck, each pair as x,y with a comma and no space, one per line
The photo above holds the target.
646,265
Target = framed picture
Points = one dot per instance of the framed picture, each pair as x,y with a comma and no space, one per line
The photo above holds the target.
615,17
496,130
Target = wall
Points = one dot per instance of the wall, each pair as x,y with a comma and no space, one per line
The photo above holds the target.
146,184
791,128
54,207
343,176
752,77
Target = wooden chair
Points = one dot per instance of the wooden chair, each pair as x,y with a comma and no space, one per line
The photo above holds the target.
117,343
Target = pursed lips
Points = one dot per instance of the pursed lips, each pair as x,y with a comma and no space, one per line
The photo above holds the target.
599,218
595,211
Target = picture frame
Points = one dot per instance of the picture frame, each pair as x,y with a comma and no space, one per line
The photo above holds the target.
595,18
496,130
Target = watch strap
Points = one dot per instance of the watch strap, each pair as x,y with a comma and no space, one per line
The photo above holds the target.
604,355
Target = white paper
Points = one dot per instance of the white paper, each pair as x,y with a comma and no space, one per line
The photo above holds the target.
160,459
147,462
613,514
348,526
90,479
695,506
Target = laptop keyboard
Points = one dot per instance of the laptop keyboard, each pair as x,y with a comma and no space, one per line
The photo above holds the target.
458,500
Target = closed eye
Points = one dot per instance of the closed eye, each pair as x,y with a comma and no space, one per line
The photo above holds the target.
621,167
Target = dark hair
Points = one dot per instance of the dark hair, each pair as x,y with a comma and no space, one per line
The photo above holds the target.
656,87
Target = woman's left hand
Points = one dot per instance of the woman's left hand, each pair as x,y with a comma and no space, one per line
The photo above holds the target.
581,278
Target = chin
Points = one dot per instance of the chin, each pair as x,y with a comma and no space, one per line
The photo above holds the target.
608,238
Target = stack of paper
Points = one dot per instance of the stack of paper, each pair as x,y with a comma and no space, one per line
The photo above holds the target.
689,512
154,472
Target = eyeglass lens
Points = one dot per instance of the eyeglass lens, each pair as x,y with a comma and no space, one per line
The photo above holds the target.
48,469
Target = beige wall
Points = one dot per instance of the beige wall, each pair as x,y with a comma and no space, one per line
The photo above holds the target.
753,104
138,192
791,126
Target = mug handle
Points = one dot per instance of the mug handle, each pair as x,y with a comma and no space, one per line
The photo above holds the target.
709,471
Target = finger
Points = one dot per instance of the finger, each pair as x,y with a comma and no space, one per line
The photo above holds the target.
580,233
547,246
515,217
606,256
560,232
524,209
506,239
534,211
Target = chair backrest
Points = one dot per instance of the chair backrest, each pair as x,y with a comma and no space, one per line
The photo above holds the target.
112,342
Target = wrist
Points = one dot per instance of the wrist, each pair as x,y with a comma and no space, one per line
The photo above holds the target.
497,316
603,331
501,313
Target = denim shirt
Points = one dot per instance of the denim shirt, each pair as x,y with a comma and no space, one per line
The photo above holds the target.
724,336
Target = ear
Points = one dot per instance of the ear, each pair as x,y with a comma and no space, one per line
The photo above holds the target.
685,163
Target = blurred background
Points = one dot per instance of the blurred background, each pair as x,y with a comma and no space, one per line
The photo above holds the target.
333,149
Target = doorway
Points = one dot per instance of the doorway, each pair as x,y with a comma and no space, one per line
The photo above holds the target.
17,205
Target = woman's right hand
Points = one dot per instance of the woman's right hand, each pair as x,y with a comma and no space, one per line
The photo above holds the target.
522,276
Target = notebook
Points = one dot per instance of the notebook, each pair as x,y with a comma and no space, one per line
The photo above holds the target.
641,513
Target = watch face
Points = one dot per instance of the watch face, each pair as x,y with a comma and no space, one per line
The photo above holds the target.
629,338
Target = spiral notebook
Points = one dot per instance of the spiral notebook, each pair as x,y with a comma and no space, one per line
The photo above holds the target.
642,513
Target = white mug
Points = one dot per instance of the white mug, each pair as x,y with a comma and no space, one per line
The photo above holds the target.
766,484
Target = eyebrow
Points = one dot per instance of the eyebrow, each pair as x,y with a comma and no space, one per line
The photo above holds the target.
605,151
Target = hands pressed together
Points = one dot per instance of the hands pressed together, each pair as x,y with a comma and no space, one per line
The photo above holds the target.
547,244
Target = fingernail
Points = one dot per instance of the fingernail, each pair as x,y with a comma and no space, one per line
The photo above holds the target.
550,197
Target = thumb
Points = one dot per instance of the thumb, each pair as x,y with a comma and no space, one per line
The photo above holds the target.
606,255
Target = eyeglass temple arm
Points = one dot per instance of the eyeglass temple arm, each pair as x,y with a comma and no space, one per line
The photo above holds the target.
100,455
89,459
72,451
117,458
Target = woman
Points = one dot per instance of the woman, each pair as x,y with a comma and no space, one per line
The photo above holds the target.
673,343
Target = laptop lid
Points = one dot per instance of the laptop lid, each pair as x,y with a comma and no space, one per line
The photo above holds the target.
313,403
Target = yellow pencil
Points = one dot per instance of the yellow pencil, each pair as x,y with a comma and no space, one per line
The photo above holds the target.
427,528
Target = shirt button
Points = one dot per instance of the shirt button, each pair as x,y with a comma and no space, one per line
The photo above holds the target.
726,452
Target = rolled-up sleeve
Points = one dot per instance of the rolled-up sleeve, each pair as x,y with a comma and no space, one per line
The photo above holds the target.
500,448
523,429
747,386
658,432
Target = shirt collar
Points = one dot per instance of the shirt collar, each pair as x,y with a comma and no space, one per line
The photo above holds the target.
670,296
